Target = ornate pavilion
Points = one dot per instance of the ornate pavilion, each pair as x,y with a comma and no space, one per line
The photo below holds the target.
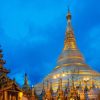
71,79
9,90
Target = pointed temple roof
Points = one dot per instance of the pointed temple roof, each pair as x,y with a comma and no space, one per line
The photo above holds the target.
6,84
43,90
2,62
26,86
60,84
25,80
70,55
70,42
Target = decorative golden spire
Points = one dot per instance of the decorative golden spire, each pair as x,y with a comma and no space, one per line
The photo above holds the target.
68,15
70,55
70,42
48,87
43,90
60,85
51,87
26,86
43,86
25,80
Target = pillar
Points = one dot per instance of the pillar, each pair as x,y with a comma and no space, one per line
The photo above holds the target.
13,97
10,97
5,95
1,96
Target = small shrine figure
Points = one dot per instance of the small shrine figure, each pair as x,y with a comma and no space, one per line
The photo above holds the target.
60,92
48,93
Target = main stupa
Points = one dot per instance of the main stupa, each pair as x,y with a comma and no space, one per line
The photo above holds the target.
71,66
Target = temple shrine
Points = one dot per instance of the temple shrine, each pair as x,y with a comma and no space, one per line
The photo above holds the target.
9,90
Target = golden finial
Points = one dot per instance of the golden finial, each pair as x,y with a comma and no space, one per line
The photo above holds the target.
68,15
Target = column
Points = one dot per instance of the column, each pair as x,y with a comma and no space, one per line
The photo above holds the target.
14,97
10,97
1,96
5,95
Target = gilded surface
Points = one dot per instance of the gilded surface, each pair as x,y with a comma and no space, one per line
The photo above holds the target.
71,67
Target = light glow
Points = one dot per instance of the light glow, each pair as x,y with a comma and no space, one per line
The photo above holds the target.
58,75
86,78
54,77
20,94
63,74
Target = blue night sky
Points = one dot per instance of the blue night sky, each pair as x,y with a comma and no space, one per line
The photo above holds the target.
32,34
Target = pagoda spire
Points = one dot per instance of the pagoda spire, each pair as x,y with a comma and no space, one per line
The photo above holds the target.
25,80
70,42
60,85
48,87
68,84
2,62
71,55
51,87
26,86
43,91
43,86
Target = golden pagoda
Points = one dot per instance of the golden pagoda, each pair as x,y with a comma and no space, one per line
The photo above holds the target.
71,67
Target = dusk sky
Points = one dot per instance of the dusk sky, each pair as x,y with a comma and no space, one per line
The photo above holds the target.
32,34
